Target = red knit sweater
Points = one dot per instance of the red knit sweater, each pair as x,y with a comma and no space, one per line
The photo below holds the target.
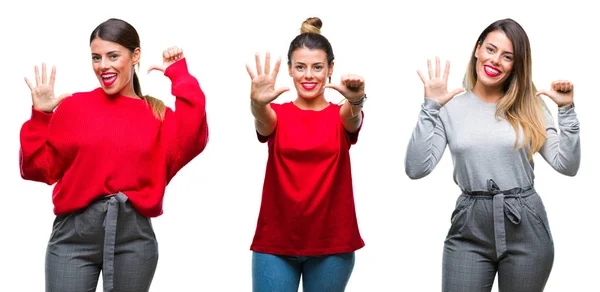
94,145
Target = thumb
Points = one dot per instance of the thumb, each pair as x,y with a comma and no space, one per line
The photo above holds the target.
61,98
156,67
454,92
279,91
337,87
544,92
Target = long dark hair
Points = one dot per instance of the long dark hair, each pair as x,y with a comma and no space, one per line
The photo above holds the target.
120,32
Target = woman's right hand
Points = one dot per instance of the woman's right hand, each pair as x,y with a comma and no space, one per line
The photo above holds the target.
42,94
263,82
436,87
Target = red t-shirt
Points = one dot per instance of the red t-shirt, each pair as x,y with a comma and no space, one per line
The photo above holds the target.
307,204
95,145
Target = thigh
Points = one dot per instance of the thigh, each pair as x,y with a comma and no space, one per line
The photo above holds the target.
530,250
73,262
136,252
468,263
328,273
272,273
466,270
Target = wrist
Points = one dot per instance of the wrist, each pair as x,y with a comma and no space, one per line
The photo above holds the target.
358,102
565,107
258,104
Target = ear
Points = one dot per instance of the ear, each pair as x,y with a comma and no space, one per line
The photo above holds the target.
290,68
476,54
330,70
136,56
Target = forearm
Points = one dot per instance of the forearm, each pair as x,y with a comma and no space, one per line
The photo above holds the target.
351,116
427,143
36,156
265,118
563,150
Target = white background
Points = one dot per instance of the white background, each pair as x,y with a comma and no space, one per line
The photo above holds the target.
212,205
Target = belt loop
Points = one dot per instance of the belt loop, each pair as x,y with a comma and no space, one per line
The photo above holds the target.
520,199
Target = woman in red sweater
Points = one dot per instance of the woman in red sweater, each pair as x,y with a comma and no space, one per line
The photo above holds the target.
111,153
307,224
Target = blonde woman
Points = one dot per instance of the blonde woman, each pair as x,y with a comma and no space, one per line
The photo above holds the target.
493,131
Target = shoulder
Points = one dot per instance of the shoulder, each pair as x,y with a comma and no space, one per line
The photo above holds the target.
459,102
79,99
286,106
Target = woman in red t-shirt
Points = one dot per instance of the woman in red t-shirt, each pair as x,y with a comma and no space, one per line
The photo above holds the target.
307,224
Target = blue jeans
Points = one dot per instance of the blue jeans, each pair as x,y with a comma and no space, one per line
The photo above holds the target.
328,273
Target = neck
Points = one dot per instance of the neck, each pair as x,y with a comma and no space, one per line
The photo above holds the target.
488,94
316,104
128,91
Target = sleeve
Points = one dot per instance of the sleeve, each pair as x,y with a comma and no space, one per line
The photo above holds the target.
427,143
562,150
188,122
38,159
264,139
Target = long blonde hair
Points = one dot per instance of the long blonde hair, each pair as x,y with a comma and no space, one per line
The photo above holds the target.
519,106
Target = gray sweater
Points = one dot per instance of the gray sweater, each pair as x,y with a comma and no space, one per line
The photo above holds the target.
482,147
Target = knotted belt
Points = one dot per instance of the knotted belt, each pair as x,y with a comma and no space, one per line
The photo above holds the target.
502,208
110,235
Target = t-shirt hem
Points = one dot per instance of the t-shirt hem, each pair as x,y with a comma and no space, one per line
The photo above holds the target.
305,252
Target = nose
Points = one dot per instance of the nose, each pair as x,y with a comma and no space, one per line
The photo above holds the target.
104,64
496,59
308,74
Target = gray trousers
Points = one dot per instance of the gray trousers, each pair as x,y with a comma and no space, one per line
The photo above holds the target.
109,236
504,232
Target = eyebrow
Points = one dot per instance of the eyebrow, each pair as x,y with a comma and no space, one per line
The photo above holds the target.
111,52
318,63
507,52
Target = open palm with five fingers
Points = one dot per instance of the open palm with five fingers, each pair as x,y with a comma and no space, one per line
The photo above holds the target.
436,87
561,92
352,87
42,94
170,56
263,81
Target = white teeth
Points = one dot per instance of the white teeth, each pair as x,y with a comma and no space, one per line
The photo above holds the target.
108,76
492,71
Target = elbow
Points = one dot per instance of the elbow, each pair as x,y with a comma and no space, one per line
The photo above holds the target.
570,169
38,177
570,172
414,173
416,170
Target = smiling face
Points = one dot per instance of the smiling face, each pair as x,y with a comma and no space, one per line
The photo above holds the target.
310,71
494,60
114,67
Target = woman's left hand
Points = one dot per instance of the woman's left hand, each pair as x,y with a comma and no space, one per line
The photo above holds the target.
352,87
561,92
170,56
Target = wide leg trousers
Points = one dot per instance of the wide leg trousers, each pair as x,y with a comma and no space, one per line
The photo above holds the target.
504,232
109,236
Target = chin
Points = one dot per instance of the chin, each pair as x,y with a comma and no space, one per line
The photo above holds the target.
495,82
109,91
